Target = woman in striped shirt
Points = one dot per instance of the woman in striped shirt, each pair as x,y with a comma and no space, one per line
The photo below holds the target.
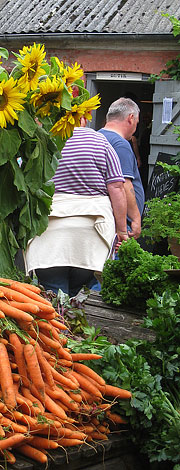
89,208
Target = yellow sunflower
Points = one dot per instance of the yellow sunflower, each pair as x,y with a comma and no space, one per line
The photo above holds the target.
65,126
25,49
32,61
87,106
60,65
49,94
11,100
69,74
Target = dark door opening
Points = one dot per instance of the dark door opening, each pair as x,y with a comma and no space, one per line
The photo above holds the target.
142,93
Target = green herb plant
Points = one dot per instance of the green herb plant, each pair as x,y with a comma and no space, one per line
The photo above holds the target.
150,370
162,218
136,276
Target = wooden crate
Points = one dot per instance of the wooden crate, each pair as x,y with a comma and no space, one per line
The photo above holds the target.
115,323
116,452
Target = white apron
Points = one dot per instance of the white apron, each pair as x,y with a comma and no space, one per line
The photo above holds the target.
80,233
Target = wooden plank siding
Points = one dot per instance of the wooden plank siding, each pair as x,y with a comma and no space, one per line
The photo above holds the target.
162,138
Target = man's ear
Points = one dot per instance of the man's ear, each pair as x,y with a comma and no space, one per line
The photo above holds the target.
130,118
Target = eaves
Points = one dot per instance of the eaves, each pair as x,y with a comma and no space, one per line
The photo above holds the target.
93,40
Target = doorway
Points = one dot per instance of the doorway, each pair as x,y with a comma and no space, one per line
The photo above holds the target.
139,89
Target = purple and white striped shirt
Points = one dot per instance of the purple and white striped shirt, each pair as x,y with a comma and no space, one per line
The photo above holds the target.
88,164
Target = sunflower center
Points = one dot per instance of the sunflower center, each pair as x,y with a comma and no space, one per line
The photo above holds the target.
3,101
50,96
32,70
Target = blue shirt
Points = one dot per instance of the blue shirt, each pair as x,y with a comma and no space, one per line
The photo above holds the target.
128,163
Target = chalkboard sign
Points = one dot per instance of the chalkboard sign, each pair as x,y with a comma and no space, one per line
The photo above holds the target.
161,182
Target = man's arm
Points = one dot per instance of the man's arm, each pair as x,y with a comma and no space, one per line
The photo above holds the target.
119,205
132,209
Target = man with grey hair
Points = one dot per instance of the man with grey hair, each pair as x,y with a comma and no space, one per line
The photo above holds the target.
121,122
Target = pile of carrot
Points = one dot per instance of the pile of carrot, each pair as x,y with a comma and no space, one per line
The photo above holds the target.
48,397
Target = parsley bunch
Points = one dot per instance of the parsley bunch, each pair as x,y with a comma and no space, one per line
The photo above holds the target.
136,276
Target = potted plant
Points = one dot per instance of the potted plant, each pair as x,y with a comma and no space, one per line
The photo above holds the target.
163,221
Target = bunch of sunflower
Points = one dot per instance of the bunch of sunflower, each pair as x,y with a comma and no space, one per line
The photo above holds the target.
40,104
48,87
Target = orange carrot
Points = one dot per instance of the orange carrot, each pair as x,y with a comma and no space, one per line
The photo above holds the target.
37,406
84,356
104,406
29,421
16,427
26,307
68,374
8,456
59,377
64,362
82,368
3,407
88,397
15,313
3,340
65,442
43,443
103,429
59,394
75,395
19,287
116,392
6,379
24,284
115,417
33,453
64,354
51,343
86,428
11,294
95,421
99,436
19,357
69,433
94,382
58,324
2,314
33,368
45,367
2,433
12,441
87,385
54,408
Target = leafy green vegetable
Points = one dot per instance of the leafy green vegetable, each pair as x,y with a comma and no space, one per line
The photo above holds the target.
150,370
136,276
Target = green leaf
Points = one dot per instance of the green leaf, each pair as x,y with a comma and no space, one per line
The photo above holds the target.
4,53
54,67
18,180
3,74
6,253
66,99
9,198
10,142
27,123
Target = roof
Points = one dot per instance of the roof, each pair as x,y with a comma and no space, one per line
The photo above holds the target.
85,16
